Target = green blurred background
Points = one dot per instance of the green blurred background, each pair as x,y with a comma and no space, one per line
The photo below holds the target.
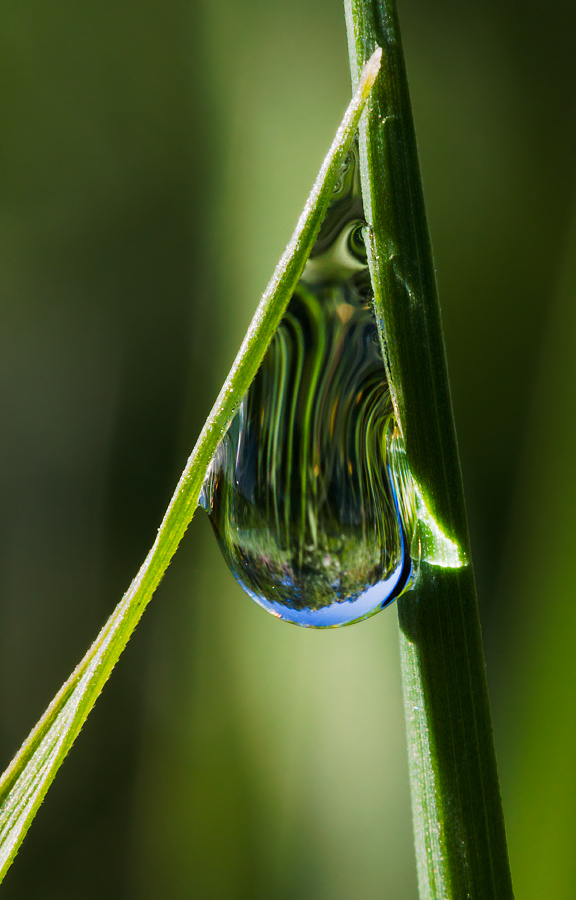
154,157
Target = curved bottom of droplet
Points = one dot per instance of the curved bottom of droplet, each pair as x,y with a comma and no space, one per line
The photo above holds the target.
360,606
345,612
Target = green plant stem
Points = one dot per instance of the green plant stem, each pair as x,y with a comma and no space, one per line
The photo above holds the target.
25,782
458,822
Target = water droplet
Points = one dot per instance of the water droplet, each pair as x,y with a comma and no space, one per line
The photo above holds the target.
302,492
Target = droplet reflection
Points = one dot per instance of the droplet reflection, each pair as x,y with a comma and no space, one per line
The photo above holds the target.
300,492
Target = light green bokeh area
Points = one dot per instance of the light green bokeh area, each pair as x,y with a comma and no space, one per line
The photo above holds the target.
292,751
153,161
286,777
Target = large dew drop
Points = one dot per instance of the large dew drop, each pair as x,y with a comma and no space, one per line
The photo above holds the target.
301,492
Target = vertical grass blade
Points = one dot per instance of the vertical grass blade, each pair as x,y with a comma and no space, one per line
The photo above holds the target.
458,822
25,782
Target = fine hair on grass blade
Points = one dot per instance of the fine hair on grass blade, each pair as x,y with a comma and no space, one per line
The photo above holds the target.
25,782
458,823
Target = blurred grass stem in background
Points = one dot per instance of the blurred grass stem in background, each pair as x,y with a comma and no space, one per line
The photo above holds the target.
25,782
458,820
